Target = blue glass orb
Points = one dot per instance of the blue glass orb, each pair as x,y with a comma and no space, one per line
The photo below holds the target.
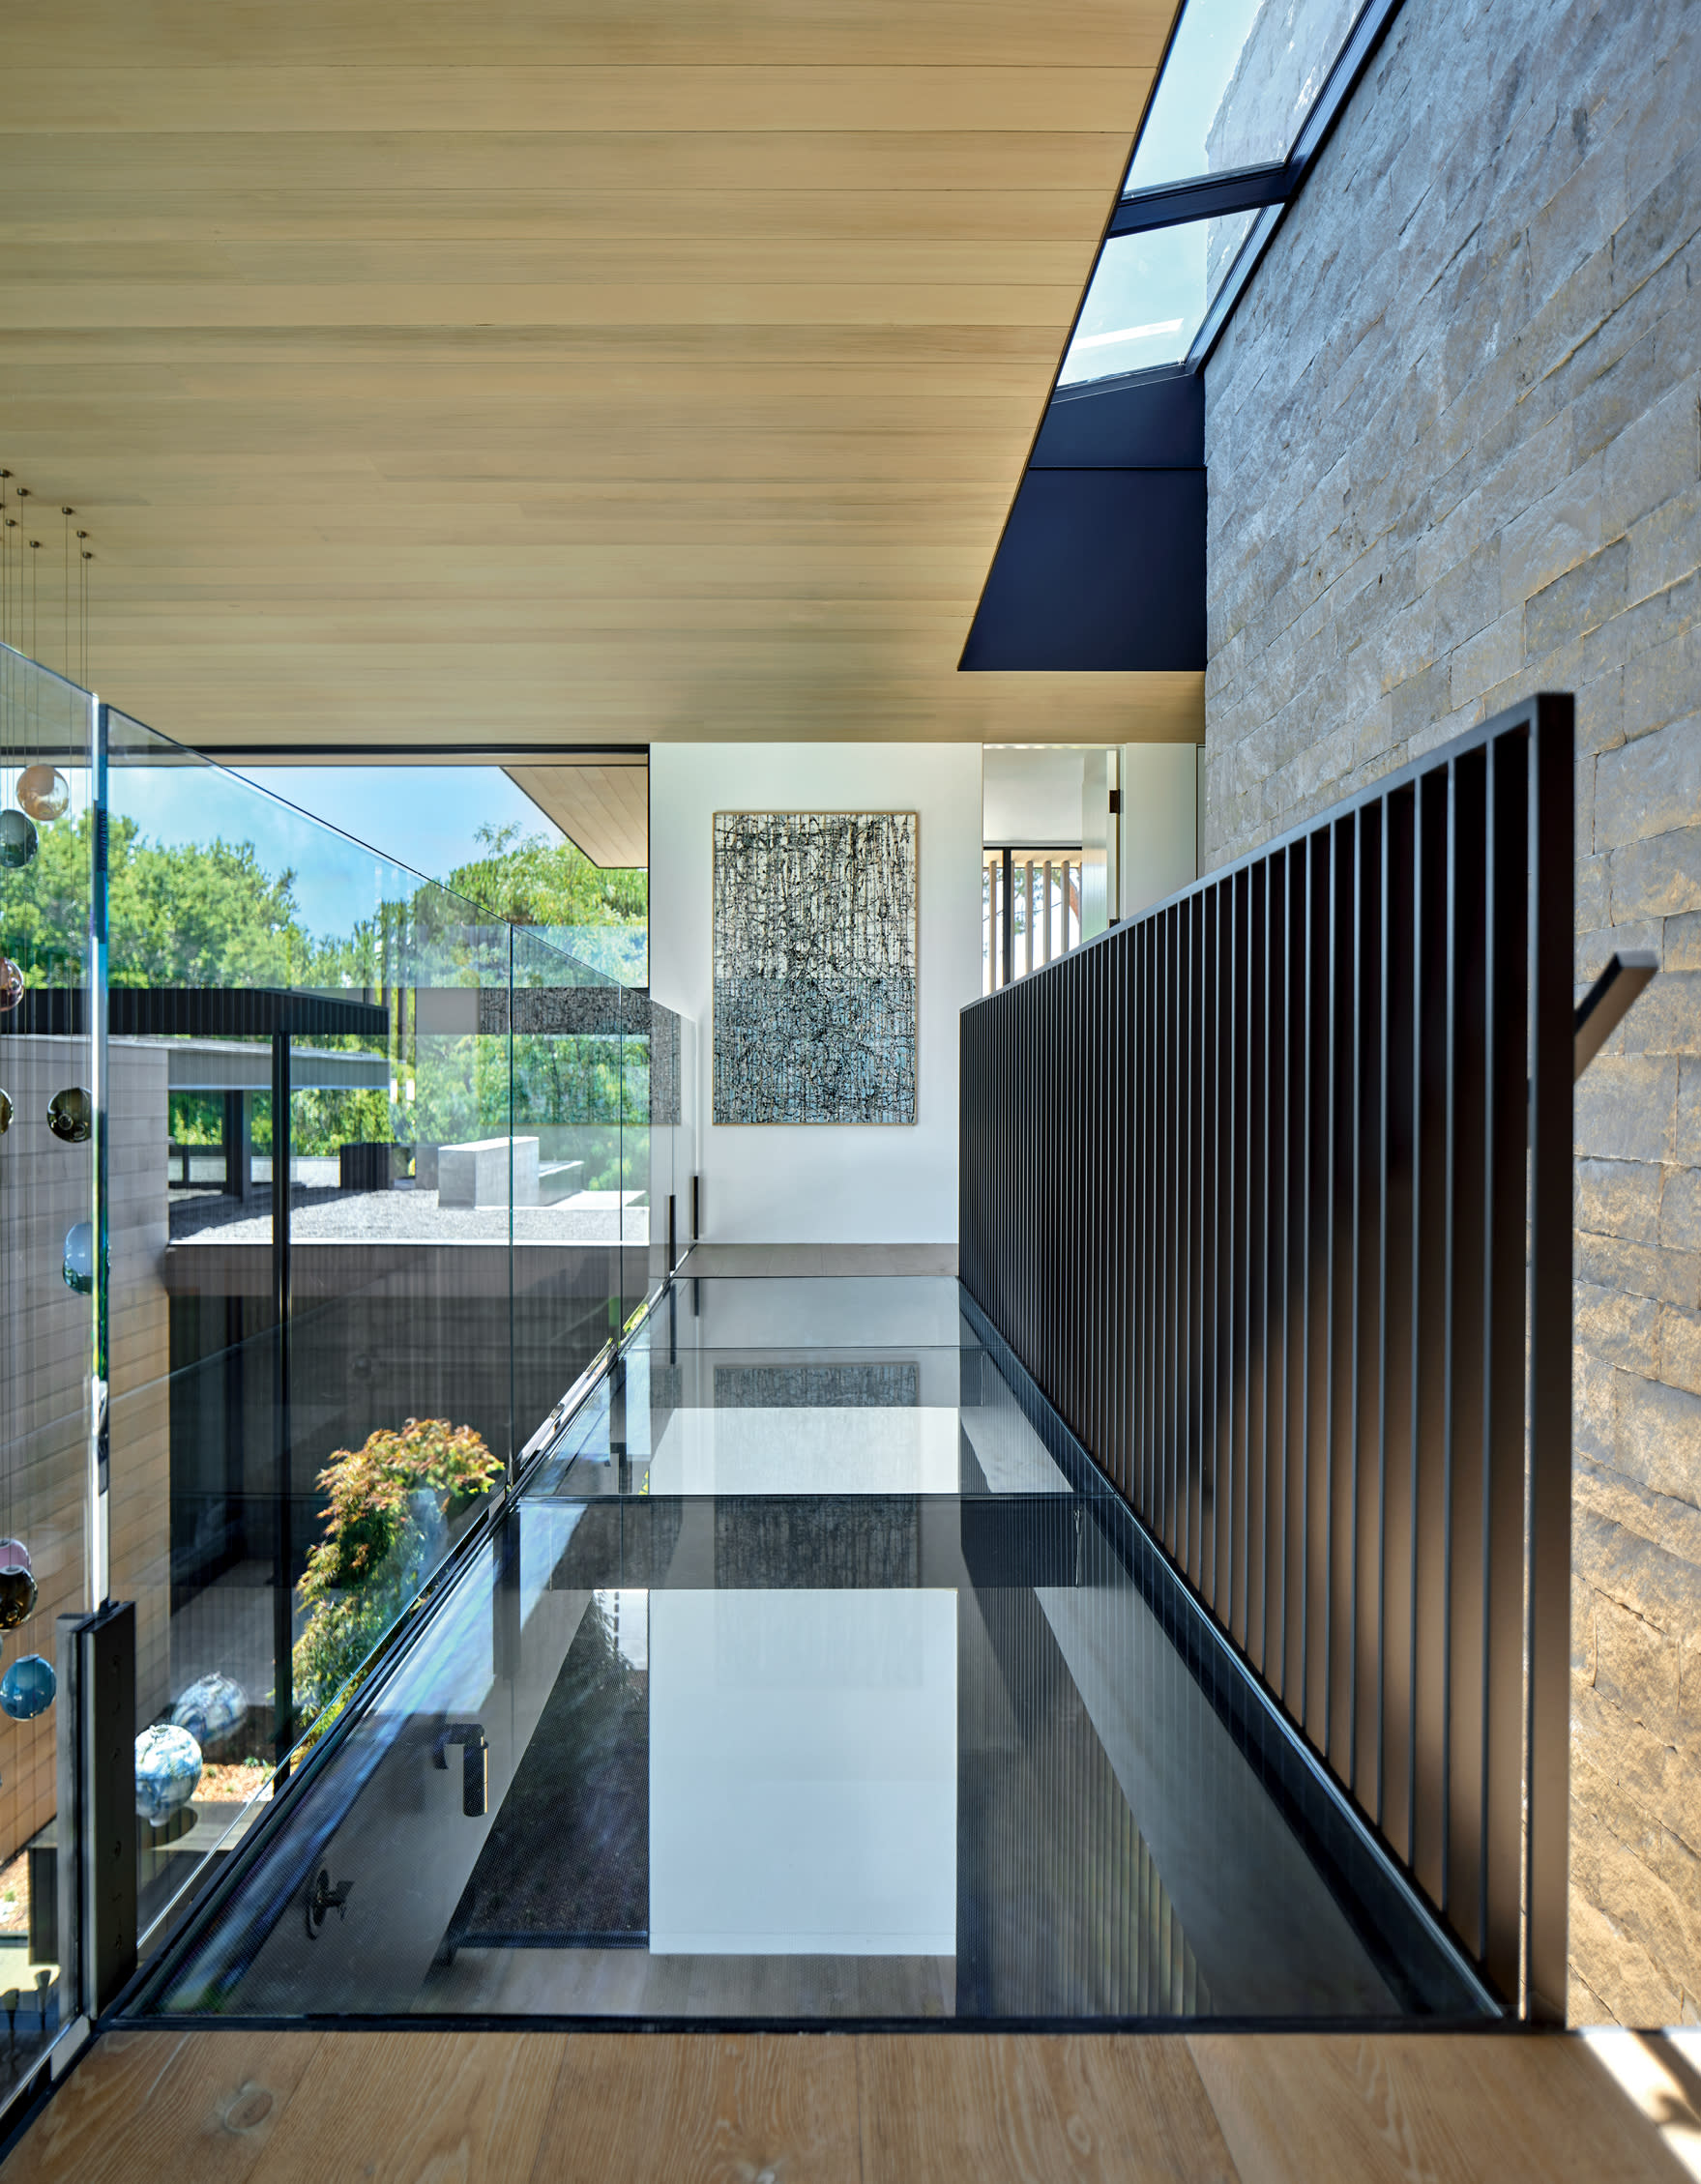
43,792
18,839
212,1709
167,1771
79,1259
27,1688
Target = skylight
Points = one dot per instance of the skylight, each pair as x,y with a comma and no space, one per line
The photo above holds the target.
1149,295
1239,79
1245,98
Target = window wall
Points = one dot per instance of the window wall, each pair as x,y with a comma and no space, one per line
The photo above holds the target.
321,1185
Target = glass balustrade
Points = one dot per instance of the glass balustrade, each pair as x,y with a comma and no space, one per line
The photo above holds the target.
320,1188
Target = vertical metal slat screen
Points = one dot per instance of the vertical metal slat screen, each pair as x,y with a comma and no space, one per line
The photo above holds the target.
1270,1191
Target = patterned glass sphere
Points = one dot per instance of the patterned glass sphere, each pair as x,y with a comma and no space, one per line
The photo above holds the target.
14,1556
43,792
79,1259
10,983
211,1709
5,1113
167,1771
27,1688
18,839
18,1597
71,1116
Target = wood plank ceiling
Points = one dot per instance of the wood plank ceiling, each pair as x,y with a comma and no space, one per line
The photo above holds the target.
554,371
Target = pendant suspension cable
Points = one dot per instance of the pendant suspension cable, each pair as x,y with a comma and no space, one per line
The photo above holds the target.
65,601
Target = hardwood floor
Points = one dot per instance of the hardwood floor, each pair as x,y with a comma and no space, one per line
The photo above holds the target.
400,2108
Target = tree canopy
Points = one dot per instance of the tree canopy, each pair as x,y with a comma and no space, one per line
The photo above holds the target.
209,914
531,882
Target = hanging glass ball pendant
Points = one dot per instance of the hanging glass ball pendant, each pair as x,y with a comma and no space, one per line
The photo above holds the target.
14,1556
18,1597
10,983
5,1113
167,1771
43,792
27,1688
18,839
79,1259
71,1116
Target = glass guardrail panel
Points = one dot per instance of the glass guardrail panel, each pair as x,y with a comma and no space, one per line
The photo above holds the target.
331,1358
569,1149
379,1177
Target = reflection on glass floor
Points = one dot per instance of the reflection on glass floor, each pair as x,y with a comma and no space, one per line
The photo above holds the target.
858,1395
801,1685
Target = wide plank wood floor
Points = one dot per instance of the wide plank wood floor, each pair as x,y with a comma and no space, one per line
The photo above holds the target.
404,2107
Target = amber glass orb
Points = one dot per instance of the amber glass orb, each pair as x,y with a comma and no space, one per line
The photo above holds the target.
43,792
18,1597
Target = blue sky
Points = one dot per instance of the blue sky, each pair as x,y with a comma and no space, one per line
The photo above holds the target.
426,817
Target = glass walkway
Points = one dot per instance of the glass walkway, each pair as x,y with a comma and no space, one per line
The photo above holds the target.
806,1681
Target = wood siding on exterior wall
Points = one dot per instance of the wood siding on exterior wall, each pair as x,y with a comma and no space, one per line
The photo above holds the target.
1454,450
45,1381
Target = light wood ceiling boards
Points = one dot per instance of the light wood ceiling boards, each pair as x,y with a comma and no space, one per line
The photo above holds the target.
606,809
597,372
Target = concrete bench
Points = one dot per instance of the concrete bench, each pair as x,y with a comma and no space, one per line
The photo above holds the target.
476,1174
558,1180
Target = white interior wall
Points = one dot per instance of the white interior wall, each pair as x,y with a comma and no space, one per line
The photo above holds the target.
1159,822
1032,798
820,1183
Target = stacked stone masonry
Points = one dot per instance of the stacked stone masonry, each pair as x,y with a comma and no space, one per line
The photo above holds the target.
1454,447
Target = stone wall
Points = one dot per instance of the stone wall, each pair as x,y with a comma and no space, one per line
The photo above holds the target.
1455,448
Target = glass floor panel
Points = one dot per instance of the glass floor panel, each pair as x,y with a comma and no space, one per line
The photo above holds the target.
802,1686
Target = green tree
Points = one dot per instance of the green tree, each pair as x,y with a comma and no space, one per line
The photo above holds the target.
531,882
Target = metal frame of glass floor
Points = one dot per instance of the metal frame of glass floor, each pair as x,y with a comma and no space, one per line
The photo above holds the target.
813,1676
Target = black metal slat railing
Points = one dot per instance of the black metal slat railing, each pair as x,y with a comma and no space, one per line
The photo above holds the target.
1307,1128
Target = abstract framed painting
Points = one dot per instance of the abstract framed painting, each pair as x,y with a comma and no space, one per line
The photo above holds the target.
815,966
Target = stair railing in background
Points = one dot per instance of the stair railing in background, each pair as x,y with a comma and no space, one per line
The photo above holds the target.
1307,1129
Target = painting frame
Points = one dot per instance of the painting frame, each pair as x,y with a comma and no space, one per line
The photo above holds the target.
727,1110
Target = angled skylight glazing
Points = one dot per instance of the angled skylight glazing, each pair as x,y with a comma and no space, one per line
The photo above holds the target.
1239,81
1238,116
1148,296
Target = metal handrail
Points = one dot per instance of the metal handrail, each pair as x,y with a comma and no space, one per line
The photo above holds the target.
1311,1121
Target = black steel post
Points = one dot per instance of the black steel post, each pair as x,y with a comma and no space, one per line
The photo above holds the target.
282,1458
96,1820
1553,880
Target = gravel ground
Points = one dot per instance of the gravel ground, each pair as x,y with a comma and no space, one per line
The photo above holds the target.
403,1216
